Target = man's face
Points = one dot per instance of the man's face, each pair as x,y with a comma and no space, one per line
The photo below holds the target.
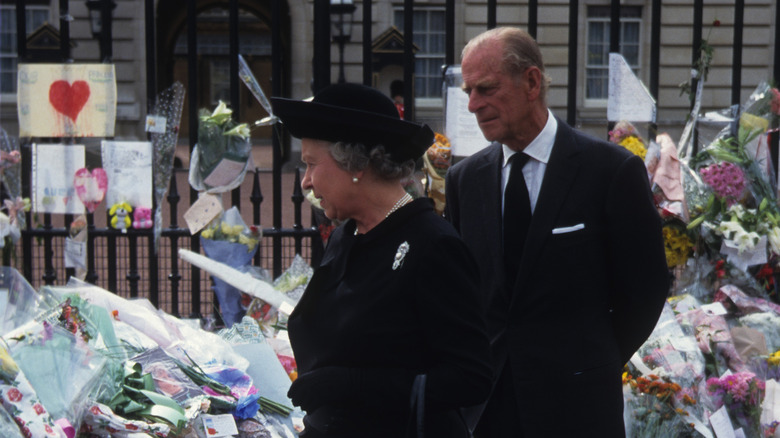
499,101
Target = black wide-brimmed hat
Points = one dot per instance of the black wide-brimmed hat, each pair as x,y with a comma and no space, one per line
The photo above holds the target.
354,113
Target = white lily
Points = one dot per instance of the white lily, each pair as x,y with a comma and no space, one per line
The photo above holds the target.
726,229
773,234
737,210
746,241
241,130
220,115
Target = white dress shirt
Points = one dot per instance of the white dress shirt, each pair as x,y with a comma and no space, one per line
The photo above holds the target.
539,152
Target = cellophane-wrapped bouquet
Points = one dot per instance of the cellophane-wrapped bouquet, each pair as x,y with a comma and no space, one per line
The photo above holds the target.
230,241
223,154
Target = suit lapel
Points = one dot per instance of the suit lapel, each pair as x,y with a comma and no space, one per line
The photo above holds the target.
490,178
558,179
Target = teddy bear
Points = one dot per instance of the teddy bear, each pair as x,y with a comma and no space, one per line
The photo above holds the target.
142,218
120,213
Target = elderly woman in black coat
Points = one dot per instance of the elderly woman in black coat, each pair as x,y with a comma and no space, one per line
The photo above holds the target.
391,314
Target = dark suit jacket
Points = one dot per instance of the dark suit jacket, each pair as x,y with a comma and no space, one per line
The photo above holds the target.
584,300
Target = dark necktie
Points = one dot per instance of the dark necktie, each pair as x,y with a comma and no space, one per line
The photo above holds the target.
517,216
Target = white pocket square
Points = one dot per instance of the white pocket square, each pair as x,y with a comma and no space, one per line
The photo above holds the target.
563,230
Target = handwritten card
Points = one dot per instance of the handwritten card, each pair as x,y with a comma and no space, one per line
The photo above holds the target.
128,165
202,211
53,168
66,100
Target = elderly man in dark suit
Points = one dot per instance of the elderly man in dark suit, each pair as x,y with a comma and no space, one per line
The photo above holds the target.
570,249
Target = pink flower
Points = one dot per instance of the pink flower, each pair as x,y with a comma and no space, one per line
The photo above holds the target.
726,179
776,101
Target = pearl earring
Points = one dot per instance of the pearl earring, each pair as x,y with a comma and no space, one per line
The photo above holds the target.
355,179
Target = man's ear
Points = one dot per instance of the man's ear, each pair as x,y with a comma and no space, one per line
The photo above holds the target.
533,81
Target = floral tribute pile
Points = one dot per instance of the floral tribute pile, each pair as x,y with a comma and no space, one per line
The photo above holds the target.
712,365
79,361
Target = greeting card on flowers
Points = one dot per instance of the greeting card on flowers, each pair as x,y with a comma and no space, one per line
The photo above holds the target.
128,165
53,168
66,100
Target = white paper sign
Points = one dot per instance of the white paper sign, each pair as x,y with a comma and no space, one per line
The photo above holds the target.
721,424
75,254
128,165
628,98
461,125
53,169
66,100
770,408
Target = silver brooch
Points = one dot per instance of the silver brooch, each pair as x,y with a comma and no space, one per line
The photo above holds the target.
400,254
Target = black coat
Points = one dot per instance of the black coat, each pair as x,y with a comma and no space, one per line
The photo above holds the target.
591,284
370,307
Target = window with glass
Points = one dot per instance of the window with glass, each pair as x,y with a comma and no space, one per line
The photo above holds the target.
429,36
36,15
597,55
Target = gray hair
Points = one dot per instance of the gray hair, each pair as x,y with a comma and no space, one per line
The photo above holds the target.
354,157
520,52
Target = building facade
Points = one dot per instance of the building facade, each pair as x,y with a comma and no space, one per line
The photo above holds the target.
129,33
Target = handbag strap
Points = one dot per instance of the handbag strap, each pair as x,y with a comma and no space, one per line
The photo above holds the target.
417,404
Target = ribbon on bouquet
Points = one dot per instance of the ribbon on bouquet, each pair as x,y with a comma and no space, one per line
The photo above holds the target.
138,398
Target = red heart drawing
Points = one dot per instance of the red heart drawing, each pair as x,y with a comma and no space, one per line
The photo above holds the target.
69,99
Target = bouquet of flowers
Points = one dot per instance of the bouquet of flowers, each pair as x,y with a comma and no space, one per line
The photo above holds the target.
228,240
437,159
742,394
626,135
657,409
740,218
223,153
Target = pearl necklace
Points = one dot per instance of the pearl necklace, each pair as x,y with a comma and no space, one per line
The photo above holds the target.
405,199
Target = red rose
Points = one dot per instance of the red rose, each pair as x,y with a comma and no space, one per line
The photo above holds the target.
14,395
48,429
26,432
95,410
38,408
19,421
131,426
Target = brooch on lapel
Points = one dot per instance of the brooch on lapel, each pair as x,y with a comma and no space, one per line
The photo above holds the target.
400,254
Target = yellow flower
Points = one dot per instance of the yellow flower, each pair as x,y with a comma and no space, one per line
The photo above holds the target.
635,146
8,367
208,233
248,241
774,358
677,246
